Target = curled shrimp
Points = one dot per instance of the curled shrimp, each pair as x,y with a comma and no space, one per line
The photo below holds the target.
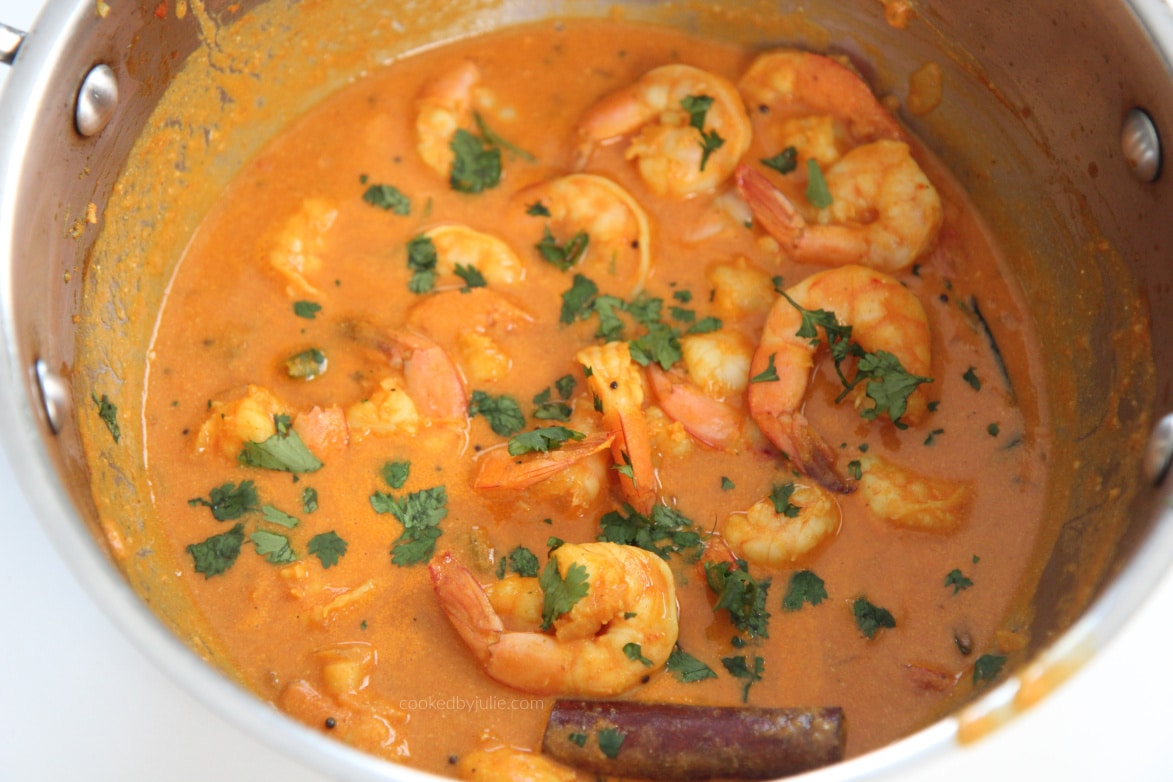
460,247
780,529
788,83
630,603
475,325
617,384
501,472
884,316
690,128
594,224
443,107
509,764
295,251
884,211
907,499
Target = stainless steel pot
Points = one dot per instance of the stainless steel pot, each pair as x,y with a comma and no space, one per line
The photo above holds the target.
1052,121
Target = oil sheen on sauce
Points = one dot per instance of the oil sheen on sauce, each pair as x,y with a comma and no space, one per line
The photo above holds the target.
295,263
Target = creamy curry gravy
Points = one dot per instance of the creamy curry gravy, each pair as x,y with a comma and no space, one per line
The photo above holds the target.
295,259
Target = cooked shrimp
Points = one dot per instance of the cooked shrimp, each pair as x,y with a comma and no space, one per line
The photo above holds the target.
884,316
780,529
594,225
246,418
884,212
295,250
789,83
444,106
717,370
460,247
617,384
508,764
740,289
475,324
910,500
323,430
690,128
630,604
500,472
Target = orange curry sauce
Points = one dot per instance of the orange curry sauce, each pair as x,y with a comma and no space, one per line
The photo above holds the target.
362,647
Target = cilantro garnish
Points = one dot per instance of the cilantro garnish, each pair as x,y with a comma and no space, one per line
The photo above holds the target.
388,198
741,595
546,408
108,412
564,255
284,451
421,260
611,741
546,438
502,412
987,667
560,595
610,324
578,738
698,107
492,137
472,277
306,365
309,499
767,375
645,309
275,515
804,587
521,561
660,345
869,618
635,653
666,531
993,430
855,469
784,162
577,302
306,309
328,548
705,325
396,473
229,501
738,667
218,553
420,513
476,163
686,668
727,483
958,580
537,209
780,495
971,377
818,194
273,546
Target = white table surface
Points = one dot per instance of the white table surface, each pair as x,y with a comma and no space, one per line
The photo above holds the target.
79,702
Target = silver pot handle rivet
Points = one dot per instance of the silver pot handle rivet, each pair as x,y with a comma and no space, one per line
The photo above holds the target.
54,395
1159,456
1141,145
96,100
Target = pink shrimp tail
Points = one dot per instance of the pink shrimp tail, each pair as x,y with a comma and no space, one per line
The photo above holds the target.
771,209
807,450
466,604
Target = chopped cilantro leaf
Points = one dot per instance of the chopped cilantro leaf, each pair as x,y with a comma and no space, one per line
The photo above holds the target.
741,595
660,345
108,412
932,436
817,193
560,595
396,473
869,618
273,547
284,451
328,548
971,377
958,580
546,438
767,375
727,484
275,515
686,668
889,385
388,198
993,430
683,315
666,531
635,653
229,501
578,738
565,255
471,275
578,302
218,553
610,324
523,562
495,139
611,741
537,209
421,260
502,412
987,667
309,499
547,409
682,296
705,325
565,386
738,667
784,162
804,587
645,309
780,495
306,309
420,513
698,107
476,164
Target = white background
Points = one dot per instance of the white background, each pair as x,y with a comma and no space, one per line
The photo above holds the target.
79,702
